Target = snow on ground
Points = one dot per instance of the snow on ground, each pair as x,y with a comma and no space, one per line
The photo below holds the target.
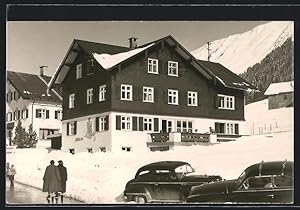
101,177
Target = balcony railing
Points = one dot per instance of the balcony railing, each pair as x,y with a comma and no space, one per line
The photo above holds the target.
159,137
194,137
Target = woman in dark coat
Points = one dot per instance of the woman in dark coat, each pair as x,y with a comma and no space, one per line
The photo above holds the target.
64,177
51,179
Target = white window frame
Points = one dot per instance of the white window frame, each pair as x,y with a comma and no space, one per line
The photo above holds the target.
152,66
42,113
102,123
89,150
227,102
24,113
126,149
172,65
89,96
127,122
174,97
102,91
59,114
9,116
127,90
78,71
192,98
184,129
148,94
72,128
72,100
148,124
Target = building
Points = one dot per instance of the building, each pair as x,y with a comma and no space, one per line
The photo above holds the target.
280,95
114,97
27,100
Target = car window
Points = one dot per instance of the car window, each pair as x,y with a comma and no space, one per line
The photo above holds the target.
181,171
257,182
145,175
165,175
283,181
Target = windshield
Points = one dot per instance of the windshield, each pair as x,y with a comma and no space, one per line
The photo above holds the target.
183,170
241,178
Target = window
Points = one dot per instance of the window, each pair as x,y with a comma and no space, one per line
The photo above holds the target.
172,68
227,128
127,149
72,151
43,133
173,97
90,66
101,123
9,97
89,150
102,91
102,149
283,181
148,94
89,96
184,126
58,115
72,100
152,66
24,113
125,123
148,124
126,92
257,182
9,116
192,98
226,102
42,113
78,71
71,128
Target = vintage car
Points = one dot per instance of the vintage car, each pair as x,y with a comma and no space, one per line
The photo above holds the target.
265,182
164,181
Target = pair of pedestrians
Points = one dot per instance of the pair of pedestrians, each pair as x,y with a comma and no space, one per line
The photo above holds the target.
54,181
11,172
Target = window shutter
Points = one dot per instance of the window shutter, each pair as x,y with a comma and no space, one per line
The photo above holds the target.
135,94
155,124
19,114
217,127
106,123
118,122
134,122
155,92
160,66
141,123
68,129
75,127
165,67
37,113
216,102
97,123
236,128
26,113
55,115
165,96
47,114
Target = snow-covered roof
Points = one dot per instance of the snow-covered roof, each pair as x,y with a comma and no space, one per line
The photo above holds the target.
280,87
108,61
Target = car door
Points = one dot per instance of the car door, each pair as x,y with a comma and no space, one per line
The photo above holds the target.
258,189
168,189
283,189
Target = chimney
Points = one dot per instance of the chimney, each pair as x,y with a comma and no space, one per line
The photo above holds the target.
42,69
132,42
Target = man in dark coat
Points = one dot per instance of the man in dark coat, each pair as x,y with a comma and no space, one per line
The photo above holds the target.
64,177
51,180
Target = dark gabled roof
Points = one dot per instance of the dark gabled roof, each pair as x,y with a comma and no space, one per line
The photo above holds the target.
94,47
269,168
163,165
226,76
31,86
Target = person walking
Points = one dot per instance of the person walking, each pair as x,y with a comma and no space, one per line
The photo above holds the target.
64,177
7,168
11,175
51,181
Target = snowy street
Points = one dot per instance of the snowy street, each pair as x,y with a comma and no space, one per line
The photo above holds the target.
22,194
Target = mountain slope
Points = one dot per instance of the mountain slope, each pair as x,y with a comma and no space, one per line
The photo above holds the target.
240,51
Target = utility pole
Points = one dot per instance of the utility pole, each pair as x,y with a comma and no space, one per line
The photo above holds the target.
208,51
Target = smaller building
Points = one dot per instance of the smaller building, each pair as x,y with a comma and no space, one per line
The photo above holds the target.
280,94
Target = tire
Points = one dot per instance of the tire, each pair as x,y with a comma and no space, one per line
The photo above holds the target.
140,199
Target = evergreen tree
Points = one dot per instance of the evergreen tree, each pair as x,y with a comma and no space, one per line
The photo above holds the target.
32,138
20,136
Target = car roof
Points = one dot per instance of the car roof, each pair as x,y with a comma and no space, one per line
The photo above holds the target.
271,168
163,165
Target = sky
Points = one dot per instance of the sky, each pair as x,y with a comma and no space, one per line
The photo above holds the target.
31,44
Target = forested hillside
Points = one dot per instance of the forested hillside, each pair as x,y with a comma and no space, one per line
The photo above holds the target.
277,66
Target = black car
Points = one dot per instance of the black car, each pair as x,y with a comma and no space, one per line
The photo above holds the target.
265,182
165,181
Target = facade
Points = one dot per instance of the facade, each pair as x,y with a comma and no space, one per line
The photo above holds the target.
27,100
280,95
114,97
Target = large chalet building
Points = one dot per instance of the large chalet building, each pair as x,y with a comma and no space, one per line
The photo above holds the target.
114,97
27,100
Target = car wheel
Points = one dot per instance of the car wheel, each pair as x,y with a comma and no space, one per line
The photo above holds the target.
140,199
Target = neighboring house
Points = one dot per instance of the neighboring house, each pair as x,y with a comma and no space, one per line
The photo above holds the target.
280,94
27,100
114,97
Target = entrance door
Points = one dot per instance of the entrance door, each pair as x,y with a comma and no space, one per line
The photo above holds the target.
166,126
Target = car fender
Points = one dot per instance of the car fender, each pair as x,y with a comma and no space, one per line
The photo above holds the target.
140,190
